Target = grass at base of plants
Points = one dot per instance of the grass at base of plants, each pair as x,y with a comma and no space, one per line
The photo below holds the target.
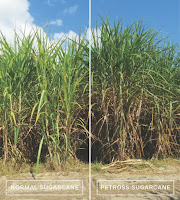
72,165
150,164
96,167
165,162
11,169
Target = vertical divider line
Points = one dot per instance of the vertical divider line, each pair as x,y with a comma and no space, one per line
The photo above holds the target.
89,99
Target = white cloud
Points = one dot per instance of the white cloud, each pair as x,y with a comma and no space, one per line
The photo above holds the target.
71,35
57,22
62,36
11,12
71,10
63,1
52,3
16,16
49,3
96,33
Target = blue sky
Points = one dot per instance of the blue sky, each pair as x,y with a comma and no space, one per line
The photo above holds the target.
65,17
69,16
73,13
158,14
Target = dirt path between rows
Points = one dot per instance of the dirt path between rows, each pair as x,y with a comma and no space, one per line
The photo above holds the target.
169,173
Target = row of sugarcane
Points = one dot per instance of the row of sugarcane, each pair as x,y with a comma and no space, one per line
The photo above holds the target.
44,95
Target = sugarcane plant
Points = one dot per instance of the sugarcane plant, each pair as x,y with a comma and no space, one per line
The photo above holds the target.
42,89
135,92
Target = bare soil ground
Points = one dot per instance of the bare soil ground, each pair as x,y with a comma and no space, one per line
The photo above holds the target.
170,172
